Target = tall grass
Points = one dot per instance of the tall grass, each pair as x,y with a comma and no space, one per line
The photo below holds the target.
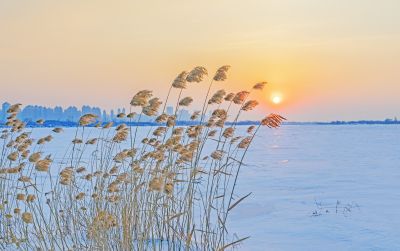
172,190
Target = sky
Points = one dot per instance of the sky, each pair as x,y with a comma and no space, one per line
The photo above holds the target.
327,60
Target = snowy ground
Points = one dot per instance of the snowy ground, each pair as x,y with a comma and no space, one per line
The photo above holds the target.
316,188
299,173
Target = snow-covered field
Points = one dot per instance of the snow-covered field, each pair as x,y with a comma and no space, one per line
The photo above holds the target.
299,173
315,188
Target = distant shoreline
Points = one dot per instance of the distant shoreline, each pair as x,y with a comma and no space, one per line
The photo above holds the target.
55,123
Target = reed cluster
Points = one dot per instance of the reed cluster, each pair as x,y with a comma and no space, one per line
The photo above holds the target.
171,190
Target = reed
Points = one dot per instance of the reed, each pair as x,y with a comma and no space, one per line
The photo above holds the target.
173,189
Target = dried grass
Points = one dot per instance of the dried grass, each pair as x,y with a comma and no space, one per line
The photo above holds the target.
173,189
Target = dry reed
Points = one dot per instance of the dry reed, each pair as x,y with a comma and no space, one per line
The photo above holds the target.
173,189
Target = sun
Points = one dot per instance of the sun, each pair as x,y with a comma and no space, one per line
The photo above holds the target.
276,99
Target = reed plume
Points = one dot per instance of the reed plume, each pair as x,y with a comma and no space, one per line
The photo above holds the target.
87,119
197,74
249,105
141,98
220,75
259,86
186,101
180,81
240,97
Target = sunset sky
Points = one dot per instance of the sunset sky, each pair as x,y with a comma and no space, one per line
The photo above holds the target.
327,60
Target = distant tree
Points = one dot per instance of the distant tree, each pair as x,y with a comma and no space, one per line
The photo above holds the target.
86,109
72,114
27,113
96,111
112,115
58,113
104,117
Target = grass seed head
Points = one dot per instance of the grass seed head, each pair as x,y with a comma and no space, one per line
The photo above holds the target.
48,138
249,105
40,121
162,118
217,98
80,169
152,108
169,188
273,120
195,115
24,179
259,86
16,108
91,141
30,198
77,141
131,115
228,132
217,155
108,125
87,119
13,156
35,157
121,135
240,97
250,129
245,142
156,184
197,74
186,101
43,165
212,133
141,98
20,196
180,81
27,217
220,75
121,115
171,121
80,196
58,130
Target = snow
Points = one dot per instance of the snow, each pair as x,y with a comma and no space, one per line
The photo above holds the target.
296,173
315,188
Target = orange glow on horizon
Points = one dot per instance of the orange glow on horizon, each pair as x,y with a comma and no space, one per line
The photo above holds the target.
315,63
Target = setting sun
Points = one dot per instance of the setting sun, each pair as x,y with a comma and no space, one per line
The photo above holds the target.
276,99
